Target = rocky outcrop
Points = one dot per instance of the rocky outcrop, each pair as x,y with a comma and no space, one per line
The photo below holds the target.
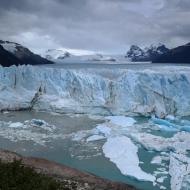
63,173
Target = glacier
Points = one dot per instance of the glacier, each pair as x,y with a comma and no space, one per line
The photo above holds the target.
128,92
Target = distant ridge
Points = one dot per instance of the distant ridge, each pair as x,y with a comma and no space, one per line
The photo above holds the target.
179,54
7,59
136,54
15,54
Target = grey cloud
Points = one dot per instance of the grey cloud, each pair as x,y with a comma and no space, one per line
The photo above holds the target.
100,25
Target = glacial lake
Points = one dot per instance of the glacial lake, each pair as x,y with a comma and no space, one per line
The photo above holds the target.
142,151
67,144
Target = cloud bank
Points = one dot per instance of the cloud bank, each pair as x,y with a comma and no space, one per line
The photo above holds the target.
95,25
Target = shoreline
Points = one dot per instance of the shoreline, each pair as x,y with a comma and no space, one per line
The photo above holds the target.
61,173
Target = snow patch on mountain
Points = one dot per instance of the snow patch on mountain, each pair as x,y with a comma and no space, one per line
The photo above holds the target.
9,46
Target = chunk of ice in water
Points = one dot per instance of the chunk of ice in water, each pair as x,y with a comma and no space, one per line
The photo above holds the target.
122,120
123,152
16,125
104,129
95,138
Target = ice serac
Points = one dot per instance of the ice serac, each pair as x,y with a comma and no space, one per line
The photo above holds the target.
146,92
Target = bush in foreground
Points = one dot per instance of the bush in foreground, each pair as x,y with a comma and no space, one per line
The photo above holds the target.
15,176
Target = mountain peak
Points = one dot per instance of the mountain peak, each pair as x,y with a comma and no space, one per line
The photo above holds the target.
136,53
53,54
20,55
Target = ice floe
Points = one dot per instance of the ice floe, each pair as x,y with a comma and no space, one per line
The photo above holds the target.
157,160
168,125
94,138
123,152
28,131
104,129
121,120
40,124
16,125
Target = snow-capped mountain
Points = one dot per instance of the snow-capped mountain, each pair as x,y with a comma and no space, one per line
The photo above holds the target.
21,54
136,53
62,56
7,59
53,54
100,57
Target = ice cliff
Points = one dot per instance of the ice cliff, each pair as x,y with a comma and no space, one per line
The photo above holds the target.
143,92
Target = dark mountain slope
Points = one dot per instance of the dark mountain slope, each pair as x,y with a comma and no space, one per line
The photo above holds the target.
23,54
180,54
7,59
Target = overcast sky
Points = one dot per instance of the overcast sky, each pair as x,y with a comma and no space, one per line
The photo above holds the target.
95,25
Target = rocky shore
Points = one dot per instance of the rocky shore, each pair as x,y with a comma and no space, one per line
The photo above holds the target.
75,179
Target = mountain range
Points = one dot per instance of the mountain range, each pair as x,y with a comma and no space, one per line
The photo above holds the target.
179,54
137,54
159,54
15,54
60,56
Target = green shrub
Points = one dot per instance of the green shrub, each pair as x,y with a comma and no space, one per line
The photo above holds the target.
15,176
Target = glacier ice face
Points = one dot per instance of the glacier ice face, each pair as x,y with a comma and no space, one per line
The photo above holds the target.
132,92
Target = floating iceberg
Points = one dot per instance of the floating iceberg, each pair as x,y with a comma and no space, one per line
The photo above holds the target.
121,120
40,124
123,152
166,125
164,122
15,125
103,129
95,138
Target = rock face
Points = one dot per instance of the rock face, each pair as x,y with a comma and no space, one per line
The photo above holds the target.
7,59
63,173
15,54
180,54
146,92
147,54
